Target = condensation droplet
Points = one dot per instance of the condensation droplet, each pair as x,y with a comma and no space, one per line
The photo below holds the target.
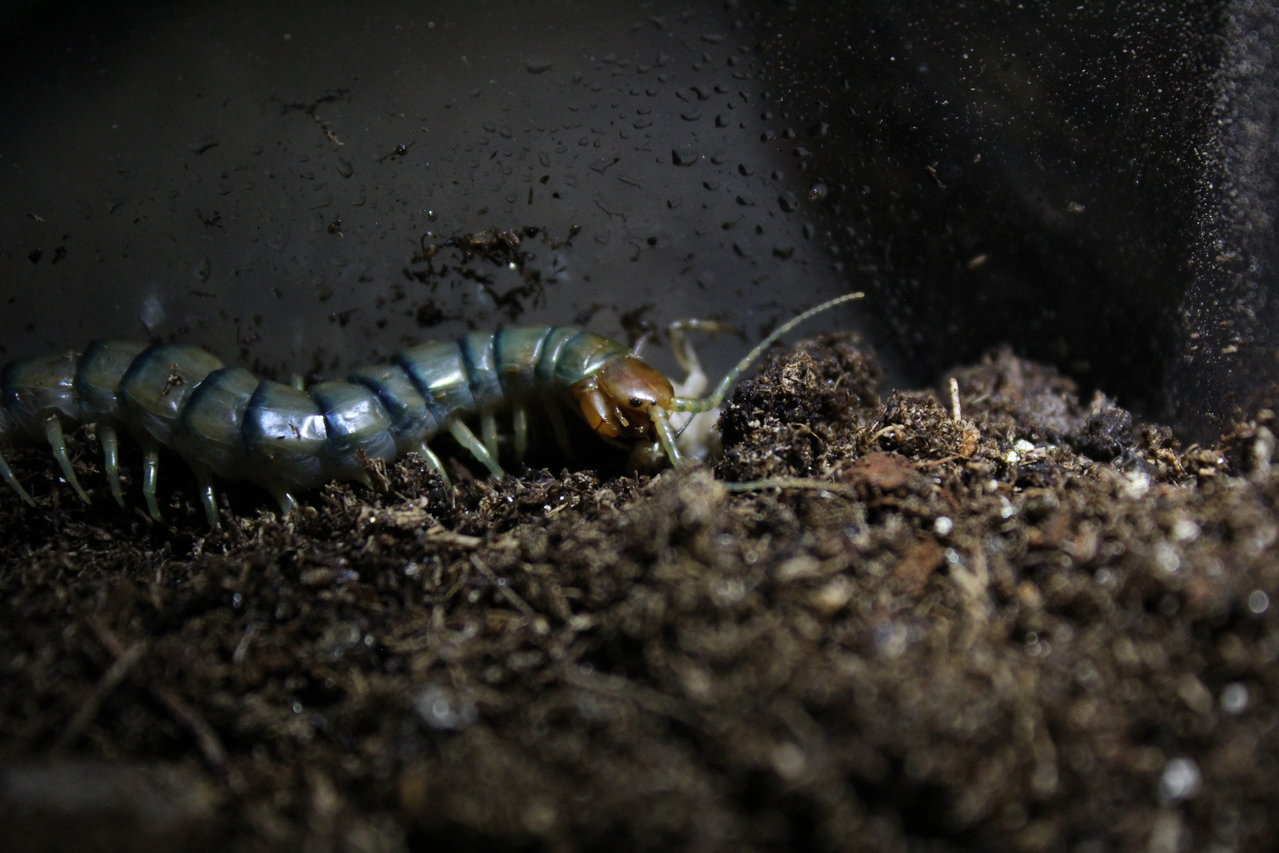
684,156
152,313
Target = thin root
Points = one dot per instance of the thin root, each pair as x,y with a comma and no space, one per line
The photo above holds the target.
793,483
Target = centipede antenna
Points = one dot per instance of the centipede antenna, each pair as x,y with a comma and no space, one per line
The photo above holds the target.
7,476
716,397
53,432
666,436
111,460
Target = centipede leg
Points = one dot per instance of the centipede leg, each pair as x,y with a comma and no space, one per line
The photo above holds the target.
462,433
519,425
488,429
204,479
695,379
150,476
53,432
434,462
7,476
288,504
560,429
111,460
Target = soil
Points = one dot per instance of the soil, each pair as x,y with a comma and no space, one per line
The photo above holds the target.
870,624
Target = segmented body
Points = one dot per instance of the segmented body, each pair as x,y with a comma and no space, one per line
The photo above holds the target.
225,421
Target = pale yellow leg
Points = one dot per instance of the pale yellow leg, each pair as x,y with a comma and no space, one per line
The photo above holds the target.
150,477
207,497
519,425
434,462
488,429
467,439
560,429
111,460
53,432
7,476
288,504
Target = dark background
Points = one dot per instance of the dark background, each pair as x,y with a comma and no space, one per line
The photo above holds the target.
1092,186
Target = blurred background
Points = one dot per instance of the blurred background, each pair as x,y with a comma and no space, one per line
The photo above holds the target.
302,187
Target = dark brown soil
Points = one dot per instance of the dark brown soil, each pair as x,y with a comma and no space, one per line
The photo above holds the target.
1042,625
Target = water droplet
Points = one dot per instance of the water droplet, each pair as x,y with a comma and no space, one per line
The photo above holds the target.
684,156
537,65
152,313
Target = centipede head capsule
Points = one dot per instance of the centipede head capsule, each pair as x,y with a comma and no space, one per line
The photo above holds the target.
618,400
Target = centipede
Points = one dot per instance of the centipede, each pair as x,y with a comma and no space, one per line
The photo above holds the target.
225,423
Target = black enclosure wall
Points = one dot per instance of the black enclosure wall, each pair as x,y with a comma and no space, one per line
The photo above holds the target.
1089,183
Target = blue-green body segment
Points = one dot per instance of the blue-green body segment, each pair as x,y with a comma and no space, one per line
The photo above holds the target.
224,421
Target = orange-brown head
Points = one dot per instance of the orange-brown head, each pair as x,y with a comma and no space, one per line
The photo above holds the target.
624,398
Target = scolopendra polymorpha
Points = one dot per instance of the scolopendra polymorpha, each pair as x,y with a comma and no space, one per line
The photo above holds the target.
225,422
